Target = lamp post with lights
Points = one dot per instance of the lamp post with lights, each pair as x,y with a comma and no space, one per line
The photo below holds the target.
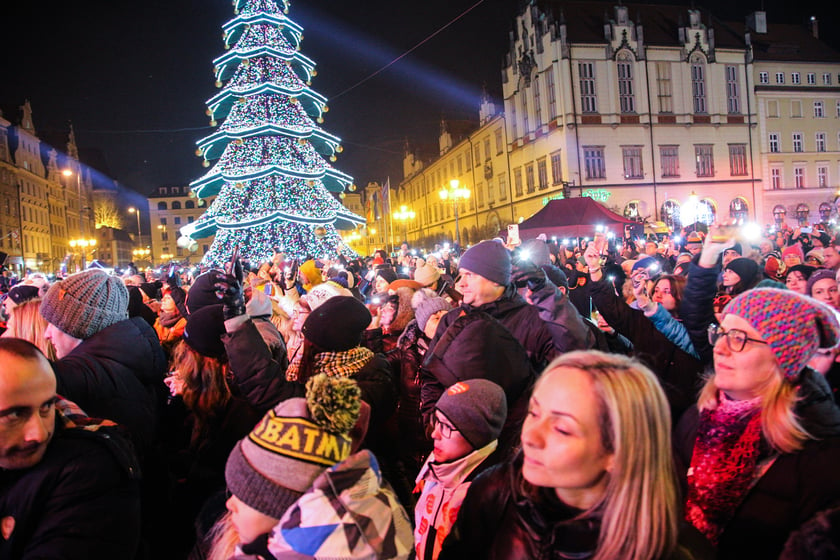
82,244
456,194
136,211
404,214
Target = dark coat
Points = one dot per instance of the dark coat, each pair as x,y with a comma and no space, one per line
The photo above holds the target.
697,307
117,374
476,345
795,487
81,501
678,372
496,522
414,445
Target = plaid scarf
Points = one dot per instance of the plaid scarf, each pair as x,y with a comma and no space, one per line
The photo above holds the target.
342,364
724,464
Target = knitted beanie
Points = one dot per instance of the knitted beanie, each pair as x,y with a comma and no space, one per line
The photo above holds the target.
796,250
426,303
819,274
337,324
21,293
794,326
536,251
294,443
746,269
477,408
806,270
322,292
84,303
387,273
202,292
489,259
427,274
204,330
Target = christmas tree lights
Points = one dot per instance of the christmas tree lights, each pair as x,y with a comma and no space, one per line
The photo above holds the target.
273,183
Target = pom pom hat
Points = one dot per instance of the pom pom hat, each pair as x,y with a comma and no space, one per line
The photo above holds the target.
793,325
294,443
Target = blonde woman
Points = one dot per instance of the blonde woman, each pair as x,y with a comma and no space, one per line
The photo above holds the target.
594,479
26,322
760,451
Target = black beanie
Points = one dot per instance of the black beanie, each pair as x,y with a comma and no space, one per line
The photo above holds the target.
337,324
388,273
204,331
202,292
746,269
489,259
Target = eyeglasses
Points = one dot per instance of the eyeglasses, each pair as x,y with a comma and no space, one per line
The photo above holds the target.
442,427
735,338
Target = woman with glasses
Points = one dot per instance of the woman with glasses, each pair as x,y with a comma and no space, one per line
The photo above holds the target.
760,450
594,478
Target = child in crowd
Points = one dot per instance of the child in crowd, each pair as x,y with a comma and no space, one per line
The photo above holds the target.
467,422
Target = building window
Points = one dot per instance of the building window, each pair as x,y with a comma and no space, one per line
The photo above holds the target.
738,159
552,95
514,128
503,187
189,205
491,192
698,83
542,174
774,142
799,177
588,99
780,77
663,87
176,205
794,78
819,109
526,128
500,144
479,189
529,178
733,98
632,157
705,160
819,137
163,221
773,109
775,178
477,157
517,180
556,168
797,142
826,79
626,98
822,177
190,219
161,205
669,157
460,165
593,158
796,108
763,78
177,220
487,149
535,85
812,78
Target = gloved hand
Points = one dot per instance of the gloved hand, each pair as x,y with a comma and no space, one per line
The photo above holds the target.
229,291
527,273
173,279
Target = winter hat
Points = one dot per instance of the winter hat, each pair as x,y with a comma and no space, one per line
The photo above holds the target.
151,289
795,249
204,330
387,273
477,408
737,248
22,293
746,269
819,274
489,259
774,267
404,283
322,292
259,305
404,312
816,255
427,274
794,326
805,269
203,291
555,275
337,324
695,237
536,251
294,443
645,262
84,303
426,303
312,273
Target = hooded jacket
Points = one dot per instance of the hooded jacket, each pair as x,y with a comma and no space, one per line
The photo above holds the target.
795,487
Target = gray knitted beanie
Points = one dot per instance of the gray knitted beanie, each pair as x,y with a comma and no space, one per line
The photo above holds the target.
477,408
84,303
426,303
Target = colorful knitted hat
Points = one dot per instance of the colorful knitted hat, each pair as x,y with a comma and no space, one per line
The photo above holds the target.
84,303
794,326
294,443
489,259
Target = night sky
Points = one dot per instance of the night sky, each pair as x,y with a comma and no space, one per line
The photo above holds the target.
133,76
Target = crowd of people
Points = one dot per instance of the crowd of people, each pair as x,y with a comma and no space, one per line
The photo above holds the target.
653,399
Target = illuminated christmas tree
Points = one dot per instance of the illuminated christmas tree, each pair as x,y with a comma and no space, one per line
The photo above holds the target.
275,187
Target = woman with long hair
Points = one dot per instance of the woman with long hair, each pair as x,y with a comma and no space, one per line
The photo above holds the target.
594,478
25,321
758,453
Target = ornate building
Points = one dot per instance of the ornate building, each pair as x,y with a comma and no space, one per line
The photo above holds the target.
171,207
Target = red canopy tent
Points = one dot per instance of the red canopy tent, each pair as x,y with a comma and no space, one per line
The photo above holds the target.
573,217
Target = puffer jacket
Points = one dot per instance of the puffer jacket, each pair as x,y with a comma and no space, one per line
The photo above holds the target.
795,487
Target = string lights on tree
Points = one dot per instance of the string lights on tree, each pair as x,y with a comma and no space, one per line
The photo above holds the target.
272,175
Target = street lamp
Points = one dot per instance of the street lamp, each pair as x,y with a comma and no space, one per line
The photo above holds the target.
83,245
69,173
133,210
455,193
403,215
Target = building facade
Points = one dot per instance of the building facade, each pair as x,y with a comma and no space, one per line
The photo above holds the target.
170,207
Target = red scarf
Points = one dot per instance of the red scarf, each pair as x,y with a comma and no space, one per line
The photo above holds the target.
723,464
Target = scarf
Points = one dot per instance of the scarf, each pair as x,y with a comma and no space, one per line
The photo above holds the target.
334,364
724,464
168,319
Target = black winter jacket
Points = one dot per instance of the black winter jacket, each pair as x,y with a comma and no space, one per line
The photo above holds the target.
794,488
117,374
81,501
697,307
